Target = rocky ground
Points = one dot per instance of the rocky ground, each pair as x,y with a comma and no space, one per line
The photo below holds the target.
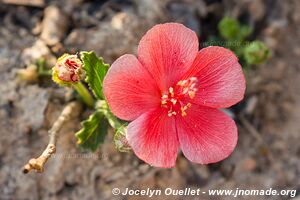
268,151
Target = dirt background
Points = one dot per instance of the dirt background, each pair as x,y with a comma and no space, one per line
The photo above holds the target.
268,151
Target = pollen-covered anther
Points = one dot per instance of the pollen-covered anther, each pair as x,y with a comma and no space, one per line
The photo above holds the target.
171,91
188,86
170,113
184,108
192,94
175,98
164,99
163,102
182,83
174,101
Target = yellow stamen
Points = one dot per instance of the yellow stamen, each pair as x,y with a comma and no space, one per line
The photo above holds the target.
193,79
170,113
183,109
174,101
171,90
192,94
164,96
183,88
179,83
184,83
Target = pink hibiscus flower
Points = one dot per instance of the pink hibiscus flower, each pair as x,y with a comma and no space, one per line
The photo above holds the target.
172,93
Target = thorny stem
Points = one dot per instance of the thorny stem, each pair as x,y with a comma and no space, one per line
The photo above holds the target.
84,93
38,163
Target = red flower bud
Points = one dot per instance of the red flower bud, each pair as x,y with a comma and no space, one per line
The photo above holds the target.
68,69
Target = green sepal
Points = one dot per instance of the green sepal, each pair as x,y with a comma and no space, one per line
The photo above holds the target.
120,140
95,70
58,81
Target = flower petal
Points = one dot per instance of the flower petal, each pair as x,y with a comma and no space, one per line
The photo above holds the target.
167,51
220,76
129,88
153,138
206,135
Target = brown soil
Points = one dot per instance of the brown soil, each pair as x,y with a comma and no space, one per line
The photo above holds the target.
268,151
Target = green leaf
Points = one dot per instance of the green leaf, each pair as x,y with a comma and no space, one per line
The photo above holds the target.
231,29
113,121
93,132
256,53
95,69
120,126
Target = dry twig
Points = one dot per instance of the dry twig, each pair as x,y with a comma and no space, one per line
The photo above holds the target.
38,163
251,129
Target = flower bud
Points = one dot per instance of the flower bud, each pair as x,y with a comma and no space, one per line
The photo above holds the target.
67,70
120,140
256,53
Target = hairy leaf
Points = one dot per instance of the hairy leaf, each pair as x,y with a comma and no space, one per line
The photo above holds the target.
113,121
95,69
120,126
93,132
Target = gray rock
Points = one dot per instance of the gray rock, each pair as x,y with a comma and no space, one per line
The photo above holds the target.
38,50
32,105
55,25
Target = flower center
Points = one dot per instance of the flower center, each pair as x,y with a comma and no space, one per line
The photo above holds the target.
176,99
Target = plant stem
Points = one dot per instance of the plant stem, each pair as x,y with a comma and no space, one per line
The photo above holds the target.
112,120
84,93
37,164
